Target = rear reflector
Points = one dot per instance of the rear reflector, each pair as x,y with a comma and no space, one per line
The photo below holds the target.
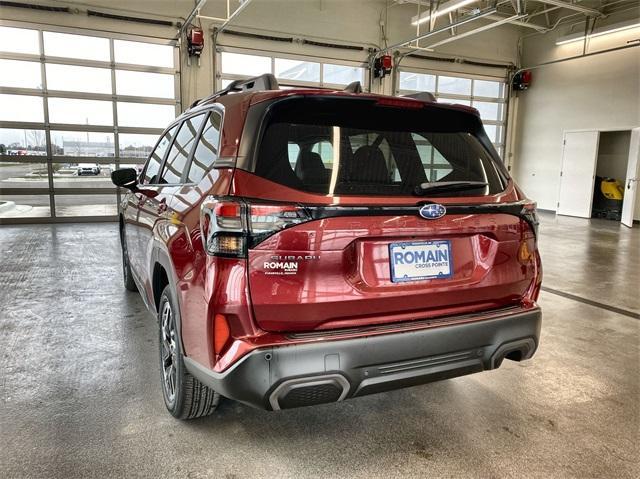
220,333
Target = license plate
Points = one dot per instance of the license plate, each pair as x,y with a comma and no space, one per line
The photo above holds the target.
415,261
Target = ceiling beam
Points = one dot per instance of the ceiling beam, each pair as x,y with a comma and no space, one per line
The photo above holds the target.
416,39
574,6
481,29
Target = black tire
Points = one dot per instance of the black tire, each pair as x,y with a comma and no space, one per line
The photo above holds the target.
189,398
127,277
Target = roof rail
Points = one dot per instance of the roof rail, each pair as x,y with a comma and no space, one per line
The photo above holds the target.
353,87
423,96
262,82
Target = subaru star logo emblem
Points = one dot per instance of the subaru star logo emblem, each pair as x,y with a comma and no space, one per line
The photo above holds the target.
433,211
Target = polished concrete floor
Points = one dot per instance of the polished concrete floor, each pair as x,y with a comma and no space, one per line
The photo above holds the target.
80,392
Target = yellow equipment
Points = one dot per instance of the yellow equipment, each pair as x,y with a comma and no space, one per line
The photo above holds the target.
611,189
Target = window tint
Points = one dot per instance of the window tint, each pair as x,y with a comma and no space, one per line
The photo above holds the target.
359,149
155,160
179,154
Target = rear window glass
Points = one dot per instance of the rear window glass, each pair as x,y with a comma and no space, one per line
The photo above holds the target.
367,149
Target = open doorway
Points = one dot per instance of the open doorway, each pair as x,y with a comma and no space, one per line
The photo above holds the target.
611,172
599,175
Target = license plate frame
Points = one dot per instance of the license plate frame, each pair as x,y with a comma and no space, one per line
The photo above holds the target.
399,272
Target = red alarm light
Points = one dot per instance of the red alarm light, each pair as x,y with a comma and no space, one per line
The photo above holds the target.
195,41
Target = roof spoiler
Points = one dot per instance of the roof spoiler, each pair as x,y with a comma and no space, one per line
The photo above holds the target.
423,96
260,83
353,87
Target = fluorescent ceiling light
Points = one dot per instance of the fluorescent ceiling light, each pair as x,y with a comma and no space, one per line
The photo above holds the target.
598,32
445,8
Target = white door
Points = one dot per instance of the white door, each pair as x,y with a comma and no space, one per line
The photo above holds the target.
631,183
579,157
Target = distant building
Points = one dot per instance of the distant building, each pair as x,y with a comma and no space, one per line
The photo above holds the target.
87,148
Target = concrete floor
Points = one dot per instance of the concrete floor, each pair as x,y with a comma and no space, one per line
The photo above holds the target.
80,392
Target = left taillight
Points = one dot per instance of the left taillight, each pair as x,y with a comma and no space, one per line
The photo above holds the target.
231,226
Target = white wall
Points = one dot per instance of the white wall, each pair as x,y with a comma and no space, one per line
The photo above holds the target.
597,92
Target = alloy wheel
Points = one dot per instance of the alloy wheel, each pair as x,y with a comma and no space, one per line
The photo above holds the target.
168,351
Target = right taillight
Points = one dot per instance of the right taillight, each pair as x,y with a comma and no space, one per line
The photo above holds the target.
231,226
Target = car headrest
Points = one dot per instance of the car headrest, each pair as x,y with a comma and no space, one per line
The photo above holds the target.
369,166
310,168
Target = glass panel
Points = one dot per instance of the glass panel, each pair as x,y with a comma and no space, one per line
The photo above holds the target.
155,161
82,175
250,65
207,149
144,84
341,74
24,206
22,142
417,82
86,205
492,89
139,53
457,85
80,112
492,132
489,111
297,70
23,175
19,40
21,108
136,146
76,46
454,100
82,143
180,150
73,78
19,74
145,115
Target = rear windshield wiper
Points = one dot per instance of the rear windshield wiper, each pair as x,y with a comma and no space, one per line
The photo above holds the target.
437,187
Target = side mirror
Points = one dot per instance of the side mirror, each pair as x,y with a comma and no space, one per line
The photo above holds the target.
125,178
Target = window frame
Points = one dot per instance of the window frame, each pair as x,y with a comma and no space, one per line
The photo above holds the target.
187,162
119,159
218,109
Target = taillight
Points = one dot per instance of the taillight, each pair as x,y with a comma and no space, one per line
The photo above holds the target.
231,226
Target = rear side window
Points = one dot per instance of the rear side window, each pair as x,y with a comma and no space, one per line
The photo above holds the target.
155,160
207,150
363,149
179,153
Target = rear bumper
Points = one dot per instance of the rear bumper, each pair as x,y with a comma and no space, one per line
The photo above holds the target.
310,373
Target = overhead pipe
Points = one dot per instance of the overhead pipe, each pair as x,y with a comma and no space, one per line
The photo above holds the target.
191,16
574,6
237,11
477,30
459,23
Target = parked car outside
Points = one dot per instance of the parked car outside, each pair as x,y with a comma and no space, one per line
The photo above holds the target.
88,169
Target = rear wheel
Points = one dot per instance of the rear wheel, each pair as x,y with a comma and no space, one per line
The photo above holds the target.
129,284
184,396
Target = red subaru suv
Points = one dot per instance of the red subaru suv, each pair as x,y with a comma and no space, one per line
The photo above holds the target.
309,246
